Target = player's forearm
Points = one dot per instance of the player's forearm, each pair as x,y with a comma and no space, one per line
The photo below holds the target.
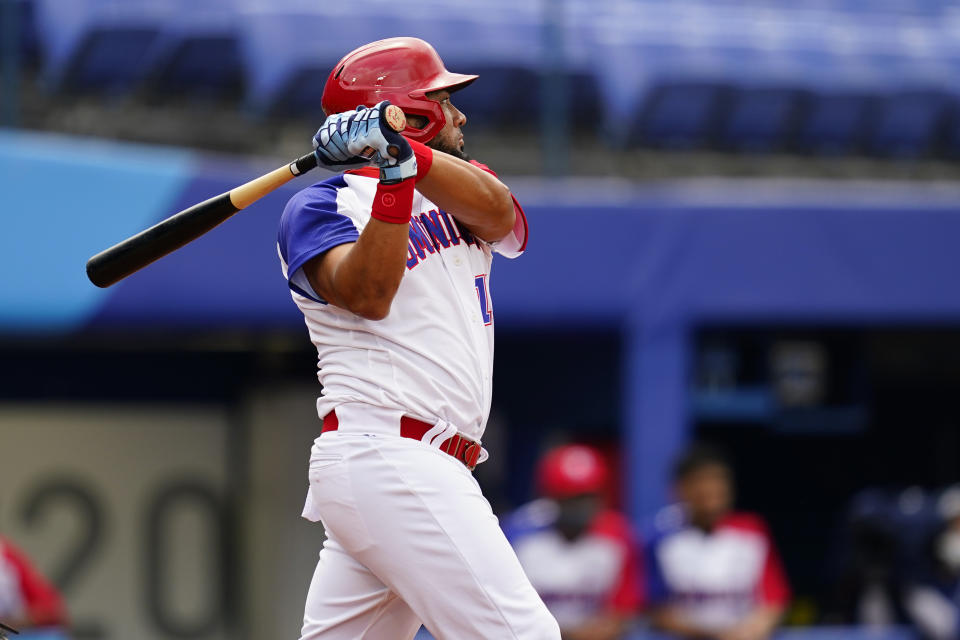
474,197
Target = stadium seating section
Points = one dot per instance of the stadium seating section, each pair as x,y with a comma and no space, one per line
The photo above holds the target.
814,76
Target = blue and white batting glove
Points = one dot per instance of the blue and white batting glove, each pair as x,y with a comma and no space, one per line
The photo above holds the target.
356,138
393,154
330,144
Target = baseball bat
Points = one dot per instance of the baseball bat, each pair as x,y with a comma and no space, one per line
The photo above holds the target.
135,253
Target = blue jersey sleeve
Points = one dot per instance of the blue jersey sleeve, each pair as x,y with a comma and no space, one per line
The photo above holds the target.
310,225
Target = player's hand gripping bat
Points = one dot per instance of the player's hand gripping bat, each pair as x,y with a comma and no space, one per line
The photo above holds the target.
134,253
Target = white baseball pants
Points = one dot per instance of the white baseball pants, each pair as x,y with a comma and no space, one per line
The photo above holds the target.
410,539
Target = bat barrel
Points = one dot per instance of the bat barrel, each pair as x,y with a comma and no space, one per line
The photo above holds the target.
131,255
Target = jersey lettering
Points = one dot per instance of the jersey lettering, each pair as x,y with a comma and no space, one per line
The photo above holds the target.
451,228
433,231
419,242
483,294
431,223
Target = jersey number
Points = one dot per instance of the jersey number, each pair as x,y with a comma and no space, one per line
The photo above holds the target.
486,310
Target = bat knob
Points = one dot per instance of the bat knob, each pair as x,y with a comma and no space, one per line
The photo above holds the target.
395,118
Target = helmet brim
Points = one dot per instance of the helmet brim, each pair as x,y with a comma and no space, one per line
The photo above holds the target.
448,81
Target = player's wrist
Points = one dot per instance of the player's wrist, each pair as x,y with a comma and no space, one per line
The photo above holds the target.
393,203
424,156
415,165
390,175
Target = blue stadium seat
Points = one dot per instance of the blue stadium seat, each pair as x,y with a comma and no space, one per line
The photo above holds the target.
24,21
97,45
584,98
301,93
198,52
760,119
680,116
834,123
951,147
910,123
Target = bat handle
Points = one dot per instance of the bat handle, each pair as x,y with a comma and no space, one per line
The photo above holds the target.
303,164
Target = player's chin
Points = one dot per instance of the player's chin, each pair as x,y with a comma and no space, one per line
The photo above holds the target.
452,149
458,151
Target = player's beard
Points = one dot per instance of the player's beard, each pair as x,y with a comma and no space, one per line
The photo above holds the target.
450,149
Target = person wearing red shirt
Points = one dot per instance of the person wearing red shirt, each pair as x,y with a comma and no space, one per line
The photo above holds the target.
27,600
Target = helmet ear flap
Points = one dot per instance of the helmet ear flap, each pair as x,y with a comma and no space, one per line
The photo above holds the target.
430,111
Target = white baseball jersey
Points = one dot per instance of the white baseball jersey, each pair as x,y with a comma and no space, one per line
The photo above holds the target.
432,356
714,578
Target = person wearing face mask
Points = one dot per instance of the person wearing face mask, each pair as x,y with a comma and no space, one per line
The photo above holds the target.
712,573
580,555
933,602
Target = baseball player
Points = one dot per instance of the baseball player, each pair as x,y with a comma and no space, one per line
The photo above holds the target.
580,556
390,264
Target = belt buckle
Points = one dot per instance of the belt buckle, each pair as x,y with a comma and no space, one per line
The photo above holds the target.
463,449
471,455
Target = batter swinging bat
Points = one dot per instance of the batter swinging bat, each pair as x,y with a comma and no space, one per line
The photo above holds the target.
134,253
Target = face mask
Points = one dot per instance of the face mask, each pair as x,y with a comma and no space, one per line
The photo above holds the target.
948,549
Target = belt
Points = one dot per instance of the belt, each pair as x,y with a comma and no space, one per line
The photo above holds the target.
463,449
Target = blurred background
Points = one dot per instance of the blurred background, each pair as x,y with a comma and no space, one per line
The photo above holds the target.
743,217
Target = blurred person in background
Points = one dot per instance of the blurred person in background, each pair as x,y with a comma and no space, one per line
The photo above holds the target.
933,601
869,583
712,573
27,600
580,555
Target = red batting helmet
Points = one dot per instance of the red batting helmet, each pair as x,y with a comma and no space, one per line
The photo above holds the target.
401,70
571,470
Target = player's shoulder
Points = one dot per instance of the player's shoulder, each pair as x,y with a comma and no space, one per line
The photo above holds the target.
484,167
530,518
